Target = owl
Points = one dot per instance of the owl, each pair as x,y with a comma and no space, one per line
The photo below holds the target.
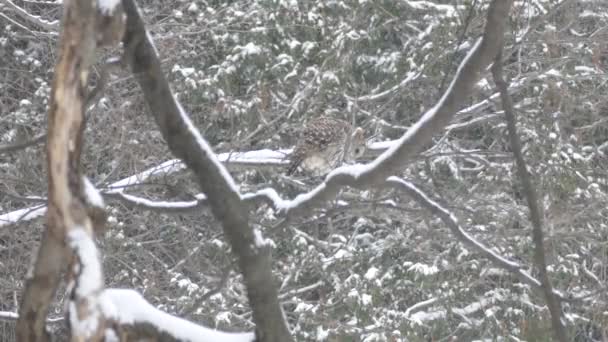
326,143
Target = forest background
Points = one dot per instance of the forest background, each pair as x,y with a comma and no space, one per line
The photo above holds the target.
373,265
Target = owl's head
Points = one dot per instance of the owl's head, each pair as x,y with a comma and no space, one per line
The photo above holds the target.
358,145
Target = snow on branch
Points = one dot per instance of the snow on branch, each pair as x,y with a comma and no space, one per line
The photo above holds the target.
245,160
37,20
433,121
24,214
8,316
129,309
239,161
187,144
391,152
232,160
86,320
451,221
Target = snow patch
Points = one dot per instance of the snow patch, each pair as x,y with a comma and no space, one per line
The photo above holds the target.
92,194
107,6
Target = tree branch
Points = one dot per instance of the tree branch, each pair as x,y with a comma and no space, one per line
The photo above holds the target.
451,222
529,192
65,208
185,142
37,20
421,133
22,144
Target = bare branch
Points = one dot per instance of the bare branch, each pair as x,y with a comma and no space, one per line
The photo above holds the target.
529,192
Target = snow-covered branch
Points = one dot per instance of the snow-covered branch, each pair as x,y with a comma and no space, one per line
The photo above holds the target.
131,311
34,19
452,222
187,144
421,133
84,308
69,224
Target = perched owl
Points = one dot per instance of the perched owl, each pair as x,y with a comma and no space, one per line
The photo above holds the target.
325,144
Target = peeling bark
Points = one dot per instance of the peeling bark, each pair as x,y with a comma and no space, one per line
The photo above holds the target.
67,209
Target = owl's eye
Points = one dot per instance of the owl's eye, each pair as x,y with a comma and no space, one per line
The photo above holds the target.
357,150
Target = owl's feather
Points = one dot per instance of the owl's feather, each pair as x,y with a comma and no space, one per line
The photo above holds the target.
322,143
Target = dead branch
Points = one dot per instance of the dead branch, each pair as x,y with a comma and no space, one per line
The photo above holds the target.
69,225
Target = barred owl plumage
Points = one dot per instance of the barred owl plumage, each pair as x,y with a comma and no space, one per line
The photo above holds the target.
324,144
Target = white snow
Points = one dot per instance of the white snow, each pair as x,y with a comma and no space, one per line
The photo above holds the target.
92,194
24,214
107,6
260,242
128,307
371,274
303,307
423,269
90,279
193,8
206,149
250,49
366,299
88,283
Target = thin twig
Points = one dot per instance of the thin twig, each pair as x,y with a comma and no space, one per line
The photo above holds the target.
208,294
22,144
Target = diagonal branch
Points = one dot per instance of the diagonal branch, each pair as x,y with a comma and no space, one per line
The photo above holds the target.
529,192
186,143
452,223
